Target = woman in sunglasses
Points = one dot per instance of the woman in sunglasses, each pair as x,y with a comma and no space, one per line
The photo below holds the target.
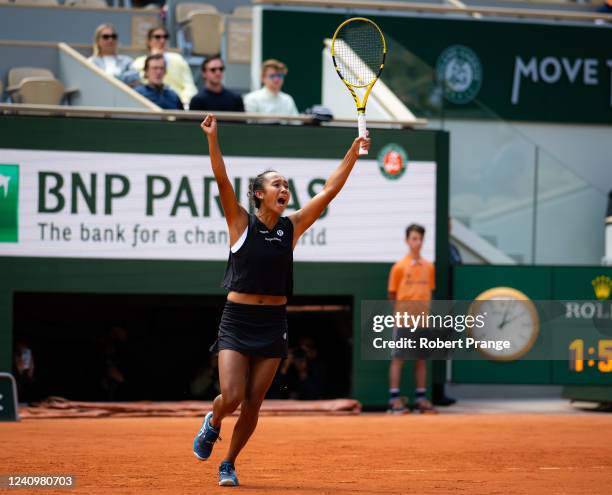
178,73
105,56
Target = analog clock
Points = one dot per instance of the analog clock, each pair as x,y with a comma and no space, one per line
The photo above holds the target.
508,315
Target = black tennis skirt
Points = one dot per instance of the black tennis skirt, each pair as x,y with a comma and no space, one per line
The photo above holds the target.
253,329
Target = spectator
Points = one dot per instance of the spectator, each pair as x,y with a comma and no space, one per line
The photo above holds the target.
307,387
205,383
316,368
115,381
279,389
178,73
606,8
105,56
270,99
155,90
213,96
301,376
23,361
151,4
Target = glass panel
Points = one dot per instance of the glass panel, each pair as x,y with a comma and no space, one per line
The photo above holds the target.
531,214
570,216
492,184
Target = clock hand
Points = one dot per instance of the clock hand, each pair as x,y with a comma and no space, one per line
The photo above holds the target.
504,323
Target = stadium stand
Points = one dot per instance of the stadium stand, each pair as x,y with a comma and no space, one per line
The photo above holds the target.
183,10
206,32
239,35
40,90
96,87
199,28
243,11
35,85
64,63
203,28
74,24
17,74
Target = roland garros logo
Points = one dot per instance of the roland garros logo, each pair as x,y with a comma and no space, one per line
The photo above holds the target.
460,72
392,161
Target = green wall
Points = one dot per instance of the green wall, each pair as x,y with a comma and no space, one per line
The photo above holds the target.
359,280
416,43
186,137
538,283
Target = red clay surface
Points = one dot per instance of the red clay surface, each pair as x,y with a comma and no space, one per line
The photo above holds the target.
366,454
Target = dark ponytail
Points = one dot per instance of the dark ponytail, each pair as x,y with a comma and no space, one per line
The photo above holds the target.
257,184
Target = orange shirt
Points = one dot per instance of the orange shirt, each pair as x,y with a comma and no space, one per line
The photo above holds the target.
412,280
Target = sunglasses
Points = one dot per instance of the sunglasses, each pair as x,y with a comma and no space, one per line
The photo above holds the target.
276,76
161,36
109,36
216,69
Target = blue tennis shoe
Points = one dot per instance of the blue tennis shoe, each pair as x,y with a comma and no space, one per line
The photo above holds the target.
227,474
205,439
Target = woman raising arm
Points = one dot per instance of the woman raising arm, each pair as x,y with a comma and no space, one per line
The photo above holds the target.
252,337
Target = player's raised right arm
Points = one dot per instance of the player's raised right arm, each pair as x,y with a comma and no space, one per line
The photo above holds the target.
235,215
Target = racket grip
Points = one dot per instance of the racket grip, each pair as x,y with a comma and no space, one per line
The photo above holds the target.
361,125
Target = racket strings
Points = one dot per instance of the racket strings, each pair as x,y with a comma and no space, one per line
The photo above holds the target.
359,48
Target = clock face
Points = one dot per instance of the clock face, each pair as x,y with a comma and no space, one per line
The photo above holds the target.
509,315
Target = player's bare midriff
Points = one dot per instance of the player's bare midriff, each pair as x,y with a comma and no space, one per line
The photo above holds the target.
263,299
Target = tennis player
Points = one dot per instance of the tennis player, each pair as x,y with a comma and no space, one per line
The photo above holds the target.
252,336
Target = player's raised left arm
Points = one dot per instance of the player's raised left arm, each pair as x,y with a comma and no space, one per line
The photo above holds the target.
306,216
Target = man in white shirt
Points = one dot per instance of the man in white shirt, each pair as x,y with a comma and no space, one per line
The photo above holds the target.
270,99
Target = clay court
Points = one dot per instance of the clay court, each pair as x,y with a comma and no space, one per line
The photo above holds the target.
366,454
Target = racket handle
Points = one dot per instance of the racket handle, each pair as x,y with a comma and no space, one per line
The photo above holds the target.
361,125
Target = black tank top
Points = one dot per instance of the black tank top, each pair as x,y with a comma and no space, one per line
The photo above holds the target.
264,262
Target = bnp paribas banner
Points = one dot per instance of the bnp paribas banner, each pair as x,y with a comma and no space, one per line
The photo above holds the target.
149,206
479,68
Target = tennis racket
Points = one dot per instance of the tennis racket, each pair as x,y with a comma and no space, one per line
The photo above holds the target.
358,51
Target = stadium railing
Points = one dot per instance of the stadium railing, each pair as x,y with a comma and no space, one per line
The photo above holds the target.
170,115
